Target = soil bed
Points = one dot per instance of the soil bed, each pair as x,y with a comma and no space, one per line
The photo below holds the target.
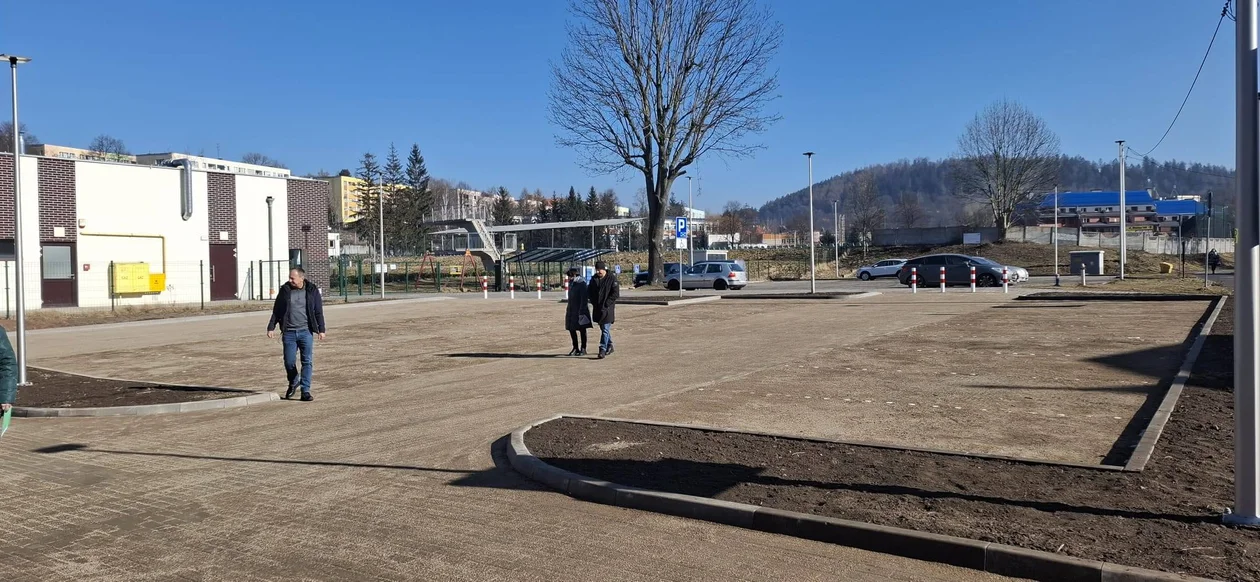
51,389
1167,517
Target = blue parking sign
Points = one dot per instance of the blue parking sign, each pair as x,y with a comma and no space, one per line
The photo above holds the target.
681,227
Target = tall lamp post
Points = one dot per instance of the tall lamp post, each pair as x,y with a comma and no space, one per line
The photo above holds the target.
1124,221
380,215
1246,381
691,251
19,265
813,283
271,254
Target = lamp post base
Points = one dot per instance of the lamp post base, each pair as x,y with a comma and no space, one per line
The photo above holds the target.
1236,519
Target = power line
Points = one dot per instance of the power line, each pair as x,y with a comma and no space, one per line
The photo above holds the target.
1224,13
1176,169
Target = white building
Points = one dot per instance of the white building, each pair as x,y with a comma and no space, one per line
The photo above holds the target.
99,233
214,165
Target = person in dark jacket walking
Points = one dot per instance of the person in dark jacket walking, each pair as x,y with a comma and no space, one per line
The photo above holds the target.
1214,260
577,313
8,373
604,292
299,311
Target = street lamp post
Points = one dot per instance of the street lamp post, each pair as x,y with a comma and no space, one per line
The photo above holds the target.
1246,282
813,283
691,251
19,265
1124,221
380,216
271,255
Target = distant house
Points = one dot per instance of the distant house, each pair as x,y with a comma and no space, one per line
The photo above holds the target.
1100,211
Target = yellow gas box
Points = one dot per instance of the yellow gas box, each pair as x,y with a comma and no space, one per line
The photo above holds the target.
157,282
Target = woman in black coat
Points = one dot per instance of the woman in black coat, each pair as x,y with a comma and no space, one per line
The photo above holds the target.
577,313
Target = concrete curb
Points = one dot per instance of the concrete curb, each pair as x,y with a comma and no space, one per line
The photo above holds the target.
664,302
794,296
1155,427
966,553
1113,296
247,398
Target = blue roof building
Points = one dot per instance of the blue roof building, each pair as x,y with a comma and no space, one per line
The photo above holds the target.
1100,211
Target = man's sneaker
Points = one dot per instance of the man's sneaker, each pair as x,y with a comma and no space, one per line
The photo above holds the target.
288,394
581,352
601,355
306,397
610,350
575,352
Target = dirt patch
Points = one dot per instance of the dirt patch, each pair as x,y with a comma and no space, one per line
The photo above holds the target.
1167,517
51,389
51,318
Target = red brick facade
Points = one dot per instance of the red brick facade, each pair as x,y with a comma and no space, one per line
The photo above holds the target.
6,196
308,205
57,206
221,190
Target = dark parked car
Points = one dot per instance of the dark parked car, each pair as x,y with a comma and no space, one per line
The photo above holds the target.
957,270
644,276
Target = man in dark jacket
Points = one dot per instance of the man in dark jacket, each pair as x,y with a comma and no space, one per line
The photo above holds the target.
604,292
8,373
299,311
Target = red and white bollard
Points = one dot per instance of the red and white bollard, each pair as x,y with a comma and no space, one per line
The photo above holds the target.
512,286
1006,281
538,283
973,278
566,289
485,287
914,279
942,279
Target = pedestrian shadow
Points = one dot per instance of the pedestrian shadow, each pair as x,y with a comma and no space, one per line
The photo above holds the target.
501,476
494,356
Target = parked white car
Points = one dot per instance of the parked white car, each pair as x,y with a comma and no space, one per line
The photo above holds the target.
720,275
885,268
1017,274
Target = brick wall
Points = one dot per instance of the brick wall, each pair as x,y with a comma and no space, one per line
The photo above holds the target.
221,190
6,196
308,205
57,206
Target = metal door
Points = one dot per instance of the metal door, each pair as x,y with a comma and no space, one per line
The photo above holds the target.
223,273
58,286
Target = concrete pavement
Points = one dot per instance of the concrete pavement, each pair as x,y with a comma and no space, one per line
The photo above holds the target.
389,474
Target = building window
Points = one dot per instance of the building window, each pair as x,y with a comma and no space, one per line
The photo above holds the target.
7,251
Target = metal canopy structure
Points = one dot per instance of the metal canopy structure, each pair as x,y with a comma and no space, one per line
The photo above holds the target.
461,228
558,255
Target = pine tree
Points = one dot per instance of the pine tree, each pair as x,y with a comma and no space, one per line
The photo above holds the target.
592,205
367,191
504,208
392,179
414,204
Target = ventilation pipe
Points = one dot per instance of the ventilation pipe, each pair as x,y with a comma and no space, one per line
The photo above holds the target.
186,190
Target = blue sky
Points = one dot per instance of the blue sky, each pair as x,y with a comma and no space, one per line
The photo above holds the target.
315,83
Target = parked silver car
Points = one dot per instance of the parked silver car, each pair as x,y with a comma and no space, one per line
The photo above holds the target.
885,268
720,275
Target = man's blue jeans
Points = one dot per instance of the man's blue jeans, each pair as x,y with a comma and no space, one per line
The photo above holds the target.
605,337
294,341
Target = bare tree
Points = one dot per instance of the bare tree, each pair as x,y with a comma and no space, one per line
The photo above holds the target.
654,85
106,146
973,216
262,160
6,136
866,209
1006,156
908,211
